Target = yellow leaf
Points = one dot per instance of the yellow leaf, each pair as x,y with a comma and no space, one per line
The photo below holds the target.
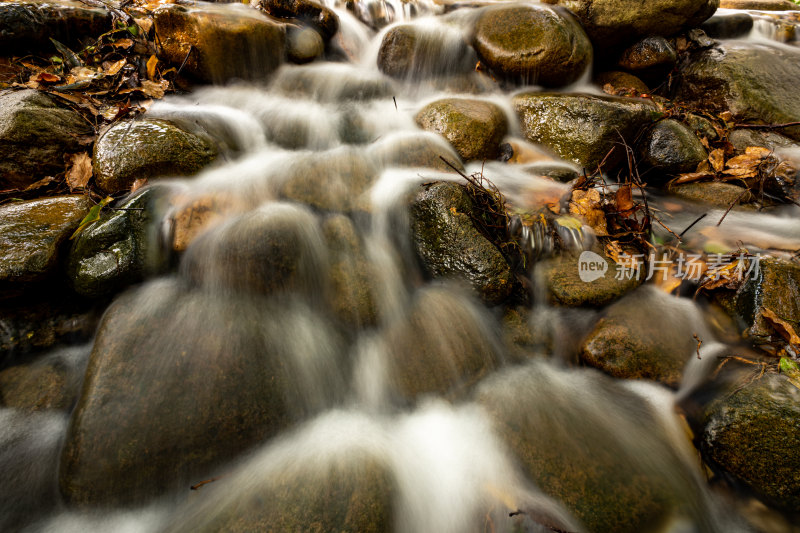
92,217
717,159
115,67
748,161
758,151
783,327
151,67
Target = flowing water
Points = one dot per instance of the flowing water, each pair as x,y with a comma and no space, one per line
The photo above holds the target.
419,385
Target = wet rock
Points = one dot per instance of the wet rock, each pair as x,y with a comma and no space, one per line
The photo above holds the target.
532,44
651,59
196,215
323,19
629,344
332,83
275,248
582,128
414,150
43,321
336,180
29,448
565,287
562,172
475,128
28,25
304,45
774,289
442,347
741,138
413,52
179,382
148,148
352,296
49,383
613,22
220,44
713,193
728,26
349,493
609,480
752,433
670,148
32,235
117,250
449,245
761,5
35,134
756,83
621,80
701,126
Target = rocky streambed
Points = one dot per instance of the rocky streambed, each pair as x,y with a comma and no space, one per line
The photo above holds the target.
399,266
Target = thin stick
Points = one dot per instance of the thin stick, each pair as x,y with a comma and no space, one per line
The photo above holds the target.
767,126
690,226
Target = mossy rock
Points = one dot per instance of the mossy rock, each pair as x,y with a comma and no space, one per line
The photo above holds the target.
651,59
713,193
757,83
35,133
304,45
532,44
621,80
565,287
51,382
475,128
450,246
627,343
583,128
775,288
752,432
146,149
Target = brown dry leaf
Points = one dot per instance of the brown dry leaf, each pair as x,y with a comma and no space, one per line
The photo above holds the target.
82,74
586,205
153,89
114,67
46,77
667,281
704,166
123,43
717,159
39,184
727,116
784,328
740,172
624,199
692,176
79,99
758,151
151,67
745,161
704,142
80,170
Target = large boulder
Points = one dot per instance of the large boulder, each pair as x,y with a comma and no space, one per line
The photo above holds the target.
316,15
475,128
413,52
757,83
28,25
117,250
218,45
631,478
583,128
450,246
752,432
728,26
615,22
146,149
629,344
771,292
179,382
442,347
35,134
52,382
669,148
415,149
533,44
32,235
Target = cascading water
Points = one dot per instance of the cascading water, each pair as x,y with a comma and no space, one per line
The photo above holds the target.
298,364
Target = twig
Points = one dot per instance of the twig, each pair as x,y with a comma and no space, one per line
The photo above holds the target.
767,126
690,226
197,486
699,343
736,201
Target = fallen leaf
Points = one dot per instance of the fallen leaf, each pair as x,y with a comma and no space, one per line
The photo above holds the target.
740,173
80,171
92,217
79,74
759,151
704,166
624,199
138,184
784,328
114,67
586,205
748,161
692,176
39,184
123,43
151,67
152,89
717,159
46,77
